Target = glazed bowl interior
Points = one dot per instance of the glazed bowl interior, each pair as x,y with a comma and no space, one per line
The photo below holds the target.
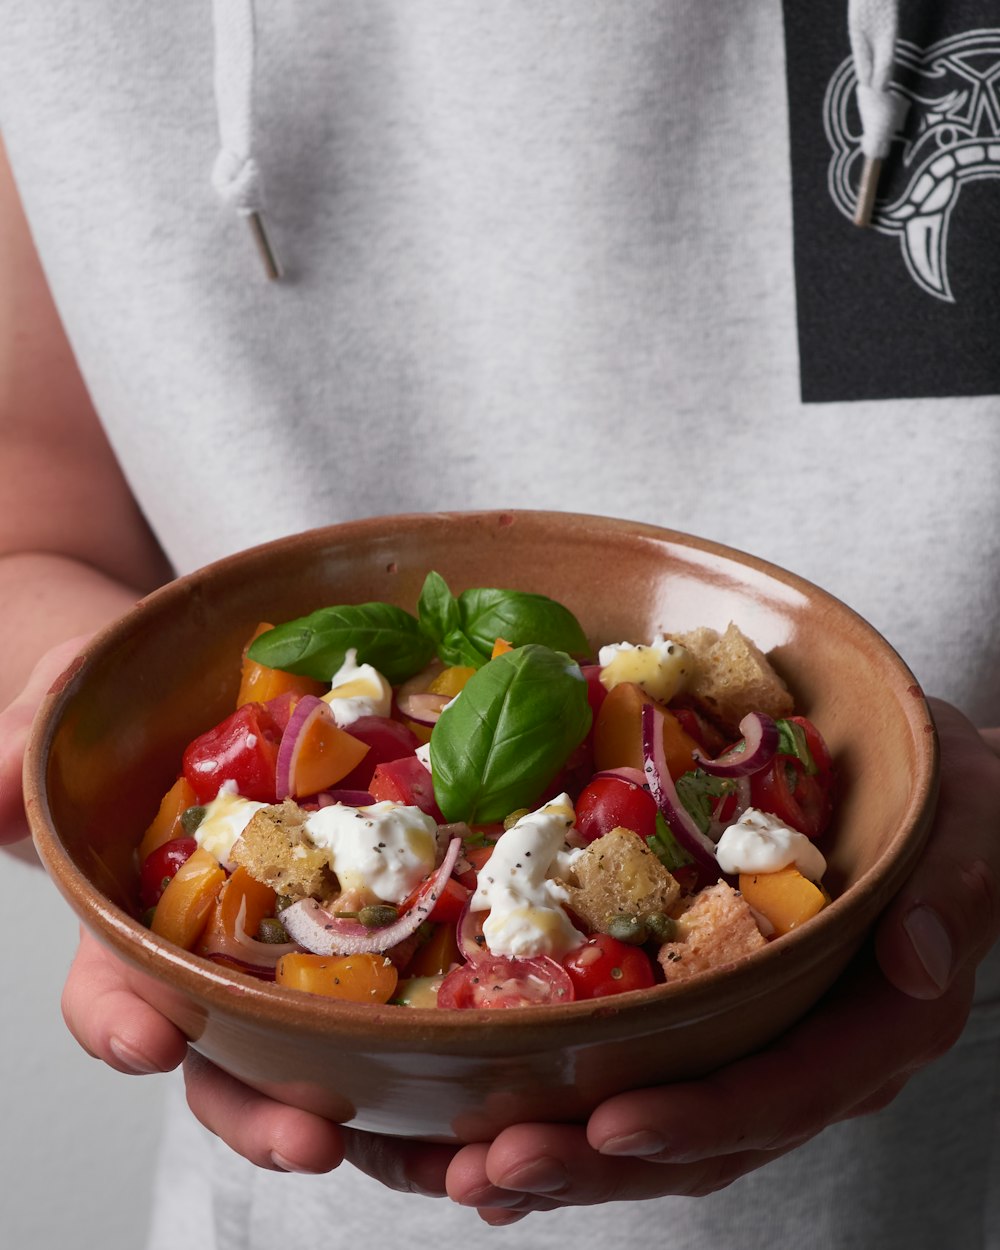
108,742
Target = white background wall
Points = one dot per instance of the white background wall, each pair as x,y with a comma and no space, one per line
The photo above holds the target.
78,1141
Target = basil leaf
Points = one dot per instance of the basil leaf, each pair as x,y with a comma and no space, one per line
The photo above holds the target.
315,646
519,617
699,792
457,649
437,609
504,738
665,846
792,741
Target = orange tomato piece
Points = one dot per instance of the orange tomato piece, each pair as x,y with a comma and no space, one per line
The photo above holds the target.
500,647
258,683
354,978
326,754
241,892
166,824
451,681
618,733
785,898
437,954
186,903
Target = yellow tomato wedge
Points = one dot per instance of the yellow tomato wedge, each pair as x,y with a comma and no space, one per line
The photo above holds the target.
785,898
618,733
500,647
325,754
166,824
240,893
186,903
451,681
258,683
353,978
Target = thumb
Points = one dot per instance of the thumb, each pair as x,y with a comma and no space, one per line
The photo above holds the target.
948,913
15,725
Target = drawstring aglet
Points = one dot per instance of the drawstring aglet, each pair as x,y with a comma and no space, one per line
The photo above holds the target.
865,207
264,248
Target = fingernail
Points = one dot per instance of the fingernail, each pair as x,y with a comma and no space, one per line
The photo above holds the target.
132,1060
282,1164
931,944
637,1145
540,1176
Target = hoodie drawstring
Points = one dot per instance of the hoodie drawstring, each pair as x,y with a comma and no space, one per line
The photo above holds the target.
236,174
873,26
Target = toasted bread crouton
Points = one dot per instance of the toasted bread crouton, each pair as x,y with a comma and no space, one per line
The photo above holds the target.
715,926
730,676
618,875
275,849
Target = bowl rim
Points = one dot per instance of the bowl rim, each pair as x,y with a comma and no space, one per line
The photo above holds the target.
389,1027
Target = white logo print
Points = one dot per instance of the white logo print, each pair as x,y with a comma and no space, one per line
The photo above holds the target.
951,136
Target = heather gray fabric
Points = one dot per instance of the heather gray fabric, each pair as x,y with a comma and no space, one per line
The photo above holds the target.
536,256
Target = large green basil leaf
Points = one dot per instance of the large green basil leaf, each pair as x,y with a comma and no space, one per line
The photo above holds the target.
519,617
383,635
503,739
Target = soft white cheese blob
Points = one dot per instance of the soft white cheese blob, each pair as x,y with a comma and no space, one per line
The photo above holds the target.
760,842
226,816
385,849
659,668
357,690
516,886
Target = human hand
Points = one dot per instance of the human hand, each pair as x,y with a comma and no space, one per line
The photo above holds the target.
15,725
916,978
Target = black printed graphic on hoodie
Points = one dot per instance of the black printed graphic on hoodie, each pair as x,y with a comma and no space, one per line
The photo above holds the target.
910,306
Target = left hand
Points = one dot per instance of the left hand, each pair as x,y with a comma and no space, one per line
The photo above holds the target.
916,979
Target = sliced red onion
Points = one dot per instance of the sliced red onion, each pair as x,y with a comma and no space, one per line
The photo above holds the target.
304,714
349,798
323,933
625,773
663,790
247,953
424,708
469,932
760,743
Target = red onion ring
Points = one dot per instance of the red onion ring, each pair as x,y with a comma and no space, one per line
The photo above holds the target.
244,952
323,933
423,708
760,744
663,790
308,708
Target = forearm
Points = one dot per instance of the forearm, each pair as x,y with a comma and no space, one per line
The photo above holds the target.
48,599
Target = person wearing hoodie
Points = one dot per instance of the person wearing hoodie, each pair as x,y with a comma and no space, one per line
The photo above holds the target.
590,257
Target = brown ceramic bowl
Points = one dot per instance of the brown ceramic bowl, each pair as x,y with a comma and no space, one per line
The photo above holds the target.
109,737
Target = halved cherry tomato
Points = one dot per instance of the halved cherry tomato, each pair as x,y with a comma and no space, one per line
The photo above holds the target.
604,966
609,802
799,798
243,748
405,781
159,867
501,981
166,824
437,955
448,906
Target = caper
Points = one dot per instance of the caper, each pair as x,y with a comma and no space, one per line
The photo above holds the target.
510,821
192,817
271,929
660,927
625,928
377,915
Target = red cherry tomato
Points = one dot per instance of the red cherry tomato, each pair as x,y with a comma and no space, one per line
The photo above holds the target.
405,781
501,981
817,747
786,790
243,748
608,802
448,906
159,867
604,966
